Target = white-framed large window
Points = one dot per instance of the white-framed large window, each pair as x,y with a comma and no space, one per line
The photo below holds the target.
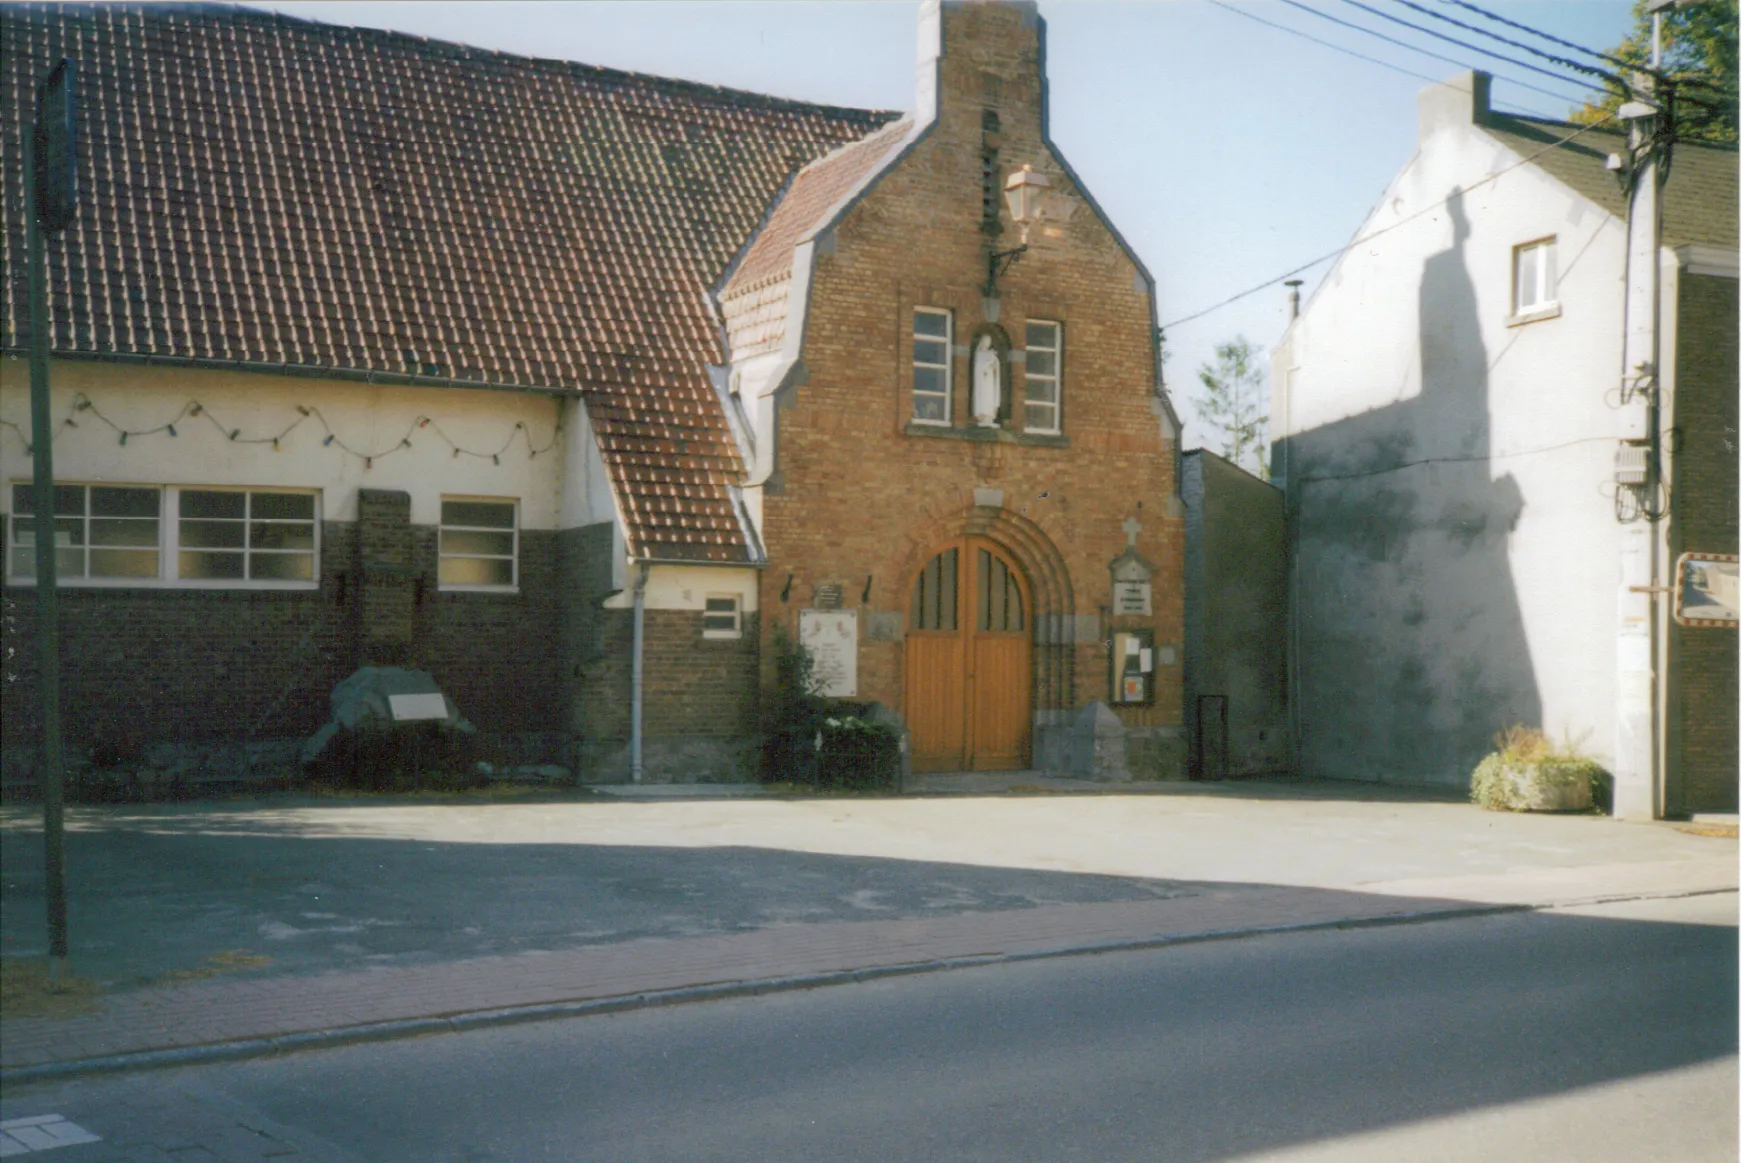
933,332
1044,378
1534,278
480,543
182,535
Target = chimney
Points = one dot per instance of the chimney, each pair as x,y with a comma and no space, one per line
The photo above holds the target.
1293,286
1461,100
980,56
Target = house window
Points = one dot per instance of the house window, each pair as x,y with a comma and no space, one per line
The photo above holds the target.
165,535
100,531
1044,375
1533,277
479,544
245,535
722,618
932,332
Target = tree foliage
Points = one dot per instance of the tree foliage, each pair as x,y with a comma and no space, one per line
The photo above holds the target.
1698,55
1235,405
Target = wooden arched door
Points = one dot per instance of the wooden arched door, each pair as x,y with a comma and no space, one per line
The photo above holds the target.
969,670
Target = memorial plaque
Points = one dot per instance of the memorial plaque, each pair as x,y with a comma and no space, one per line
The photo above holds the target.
1131,597
831,637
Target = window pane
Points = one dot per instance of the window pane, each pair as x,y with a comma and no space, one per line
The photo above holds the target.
210,566
1528,272
928,408
930,323
69,500
1042,363
23,499
1041,418
1040,391
23,562
111,502
281,535
123,532
719,623
476,571
69,563
929,379
283,507
1042,335
722,605
204,504
281,566
467,541
123,563
489,514
212,534
930,351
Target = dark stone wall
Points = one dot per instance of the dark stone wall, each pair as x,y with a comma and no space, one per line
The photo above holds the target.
1235,620
1703,694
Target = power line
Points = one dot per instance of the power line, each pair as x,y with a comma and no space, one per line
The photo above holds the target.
1547,56
1538,32
1487,459
1366,238
1460,43
1424,52
1350,52
1327,44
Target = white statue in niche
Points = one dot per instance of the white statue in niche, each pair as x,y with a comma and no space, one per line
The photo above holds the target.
987,383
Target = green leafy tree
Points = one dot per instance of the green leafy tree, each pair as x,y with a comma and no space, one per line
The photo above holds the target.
1235,405
1698,55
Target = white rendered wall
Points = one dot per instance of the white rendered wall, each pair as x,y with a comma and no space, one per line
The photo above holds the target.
367,417
687,587
1355,357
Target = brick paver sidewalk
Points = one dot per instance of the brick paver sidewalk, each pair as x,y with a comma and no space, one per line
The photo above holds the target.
262,1015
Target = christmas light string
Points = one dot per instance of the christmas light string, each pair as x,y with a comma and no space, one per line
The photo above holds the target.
193,409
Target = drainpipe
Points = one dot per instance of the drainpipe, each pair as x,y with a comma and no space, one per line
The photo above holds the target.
635,696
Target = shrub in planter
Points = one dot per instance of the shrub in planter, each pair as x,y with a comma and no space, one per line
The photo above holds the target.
856,753
792,715
1530,773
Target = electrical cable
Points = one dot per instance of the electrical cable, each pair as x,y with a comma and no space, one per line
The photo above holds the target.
1359,55
1494,16
1460,43
1547,56
1424,52
1365,238
1484,459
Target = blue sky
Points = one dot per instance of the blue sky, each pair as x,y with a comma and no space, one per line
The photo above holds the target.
1226,151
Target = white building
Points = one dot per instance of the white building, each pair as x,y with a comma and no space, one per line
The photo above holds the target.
1447,425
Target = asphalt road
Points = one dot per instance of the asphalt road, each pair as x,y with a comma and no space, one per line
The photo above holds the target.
1590,1034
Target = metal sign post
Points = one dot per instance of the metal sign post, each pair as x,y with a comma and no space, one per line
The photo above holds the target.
52,184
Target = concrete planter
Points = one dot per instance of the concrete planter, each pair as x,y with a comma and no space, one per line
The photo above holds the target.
1545,785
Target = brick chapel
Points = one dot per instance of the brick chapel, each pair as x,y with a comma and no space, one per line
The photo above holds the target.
583,391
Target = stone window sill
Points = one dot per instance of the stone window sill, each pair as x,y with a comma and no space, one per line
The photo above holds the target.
990,435
1534,315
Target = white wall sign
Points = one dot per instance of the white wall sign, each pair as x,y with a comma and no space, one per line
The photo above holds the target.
417,708
1131,597
831,636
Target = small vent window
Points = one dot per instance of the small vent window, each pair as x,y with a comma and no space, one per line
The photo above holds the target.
722,617
479,544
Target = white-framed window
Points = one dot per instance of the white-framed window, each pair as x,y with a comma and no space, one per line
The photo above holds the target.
479,543
722,617
1044,377
234,535
180,535
1533,277
933,333
103,532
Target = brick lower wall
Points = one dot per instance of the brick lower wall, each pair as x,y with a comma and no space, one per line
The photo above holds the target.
143,665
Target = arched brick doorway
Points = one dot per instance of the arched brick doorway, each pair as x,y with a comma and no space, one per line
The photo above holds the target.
969,660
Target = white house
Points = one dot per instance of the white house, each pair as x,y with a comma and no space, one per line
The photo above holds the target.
1448,420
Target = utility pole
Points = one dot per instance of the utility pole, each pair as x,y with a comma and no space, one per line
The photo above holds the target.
51,185
1638,791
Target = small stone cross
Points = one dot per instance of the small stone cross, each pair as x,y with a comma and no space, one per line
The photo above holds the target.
1131,528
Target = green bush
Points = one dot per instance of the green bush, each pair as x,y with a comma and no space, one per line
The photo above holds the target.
858,754
1526,758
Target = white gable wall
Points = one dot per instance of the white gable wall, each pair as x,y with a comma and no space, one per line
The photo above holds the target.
1436,603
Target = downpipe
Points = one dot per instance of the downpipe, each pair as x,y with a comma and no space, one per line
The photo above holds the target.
636,698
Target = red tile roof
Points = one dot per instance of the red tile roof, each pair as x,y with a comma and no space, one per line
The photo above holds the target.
259,189
817,190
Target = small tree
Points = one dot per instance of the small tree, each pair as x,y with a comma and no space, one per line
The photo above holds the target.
1698,54
1234,404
